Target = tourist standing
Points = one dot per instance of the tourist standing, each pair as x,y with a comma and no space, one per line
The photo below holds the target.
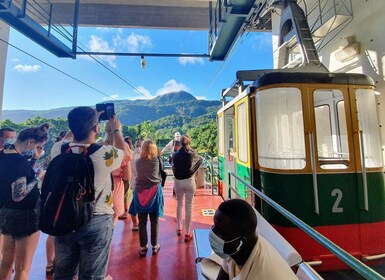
185,162
19,194
148,196
85,251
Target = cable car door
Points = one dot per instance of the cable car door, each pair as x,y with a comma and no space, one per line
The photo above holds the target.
230,151
370,175
336,180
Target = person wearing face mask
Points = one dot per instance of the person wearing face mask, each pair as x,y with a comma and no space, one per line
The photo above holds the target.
33,155
7,137
246,255
19,194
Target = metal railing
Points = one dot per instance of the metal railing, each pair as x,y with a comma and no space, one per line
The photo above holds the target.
352,262
211,174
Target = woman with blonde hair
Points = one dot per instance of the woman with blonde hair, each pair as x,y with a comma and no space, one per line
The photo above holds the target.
148,196
123,173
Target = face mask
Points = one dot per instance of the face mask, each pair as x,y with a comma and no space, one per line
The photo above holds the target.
28,153
9,141
218,244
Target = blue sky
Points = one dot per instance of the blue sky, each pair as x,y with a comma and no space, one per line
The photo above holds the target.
31,84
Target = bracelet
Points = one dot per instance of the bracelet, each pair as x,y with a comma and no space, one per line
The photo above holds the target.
115,130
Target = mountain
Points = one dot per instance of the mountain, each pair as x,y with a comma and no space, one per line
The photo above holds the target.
132,112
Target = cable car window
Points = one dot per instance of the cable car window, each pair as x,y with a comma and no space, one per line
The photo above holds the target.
220,135
368,122
241,132
324,130
230,129
280,129
330,120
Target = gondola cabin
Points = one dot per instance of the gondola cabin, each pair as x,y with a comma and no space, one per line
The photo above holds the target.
309,141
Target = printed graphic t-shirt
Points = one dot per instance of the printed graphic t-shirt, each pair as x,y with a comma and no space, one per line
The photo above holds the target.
12,168
105,160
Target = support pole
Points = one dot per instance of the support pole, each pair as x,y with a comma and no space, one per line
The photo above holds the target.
4,34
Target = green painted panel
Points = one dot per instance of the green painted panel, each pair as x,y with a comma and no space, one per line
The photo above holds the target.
221,167
340,198
245,173
376,197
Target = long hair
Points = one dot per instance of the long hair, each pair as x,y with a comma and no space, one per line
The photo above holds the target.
127,139
149,150
61,135
186,142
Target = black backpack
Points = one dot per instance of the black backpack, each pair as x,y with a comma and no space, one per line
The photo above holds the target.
68,192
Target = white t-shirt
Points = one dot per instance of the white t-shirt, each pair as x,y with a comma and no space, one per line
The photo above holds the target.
170,145
105,160
264,262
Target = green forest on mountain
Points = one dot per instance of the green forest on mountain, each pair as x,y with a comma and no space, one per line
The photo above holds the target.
202,130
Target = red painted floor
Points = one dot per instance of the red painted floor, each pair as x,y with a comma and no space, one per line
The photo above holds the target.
175,259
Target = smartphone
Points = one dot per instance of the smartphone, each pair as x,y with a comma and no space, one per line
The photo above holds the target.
109,111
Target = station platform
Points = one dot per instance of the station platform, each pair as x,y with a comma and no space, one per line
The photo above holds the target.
175,260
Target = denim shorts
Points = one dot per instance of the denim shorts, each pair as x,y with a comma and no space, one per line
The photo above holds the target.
85,250
18,223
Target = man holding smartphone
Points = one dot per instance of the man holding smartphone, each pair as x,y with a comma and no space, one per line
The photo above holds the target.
85,251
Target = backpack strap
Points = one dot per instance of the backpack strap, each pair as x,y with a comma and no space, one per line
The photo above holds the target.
65,148
93,148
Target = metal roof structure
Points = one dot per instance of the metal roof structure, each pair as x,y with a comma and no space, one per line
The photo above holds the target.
53,23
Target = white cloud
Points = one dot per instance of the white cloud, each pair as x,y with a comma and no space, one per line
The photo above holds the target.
172,86
190,60
201,97
111,97
15,59
146,93
97,44
27,68
133,43
109,29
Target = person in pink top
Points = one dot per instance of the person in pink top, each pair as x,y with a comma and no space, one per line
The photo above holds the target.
121,174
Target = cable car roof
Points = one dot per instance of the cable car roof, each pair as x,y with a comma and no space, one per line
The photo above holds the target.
313,78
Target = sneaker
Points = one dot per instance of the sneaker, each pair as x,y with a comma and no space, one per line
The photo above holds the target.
155,249
188,237
135,228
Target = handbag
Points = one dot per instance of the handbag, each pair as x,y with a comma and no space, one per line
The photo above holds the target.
163,173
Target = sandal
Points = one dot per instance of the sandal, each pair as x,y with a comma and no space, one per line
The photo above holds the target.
188,237
49,269
135,228
143,251
179,232
155,249
122,217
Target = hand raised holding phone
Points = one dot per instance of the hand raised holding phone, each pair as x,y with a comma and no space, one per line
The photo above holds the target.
107,111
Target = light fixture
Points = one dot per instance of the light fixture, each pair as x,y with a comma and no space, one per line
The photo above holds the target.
143,62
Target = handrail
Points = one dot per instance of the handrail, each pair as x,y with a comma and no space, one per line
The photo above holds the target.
363,166
210,172
314,173
358,266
